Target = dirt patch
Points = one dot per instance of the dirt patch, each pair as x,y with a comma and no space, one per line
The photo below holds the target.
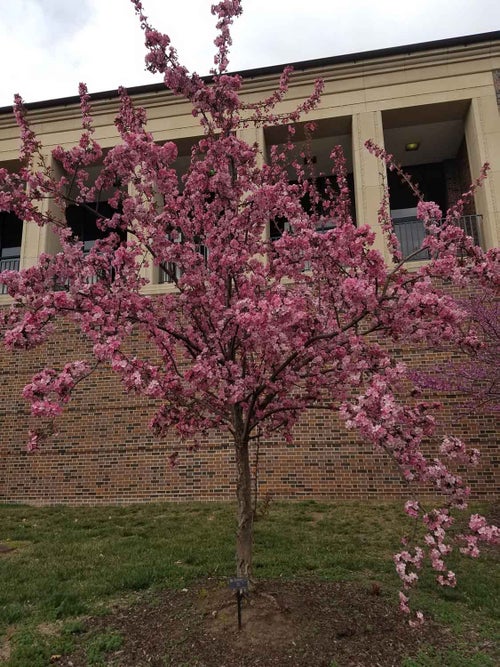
49,629
5,649
285,624
5,549
316,517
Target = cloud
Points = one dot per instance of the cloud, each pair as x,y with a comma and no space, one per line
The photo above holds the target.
46,22
62,19
48,46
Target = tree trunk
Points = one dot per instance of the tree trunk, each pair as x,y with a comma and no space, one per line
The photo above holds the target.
244,538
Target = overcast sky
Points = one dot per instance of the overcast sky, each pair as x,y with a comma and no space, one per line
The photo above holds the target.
48,46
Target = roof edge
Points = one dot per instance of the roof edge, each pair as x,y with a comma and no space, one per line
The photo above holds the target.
419,47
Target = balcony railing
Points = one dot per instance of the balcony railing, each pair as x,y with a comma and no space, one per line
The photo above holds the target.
168,276
411,233
471,224
175,271
10,264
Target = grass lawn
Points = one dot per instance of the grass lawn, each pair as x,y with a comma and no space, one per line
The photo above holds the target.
69,563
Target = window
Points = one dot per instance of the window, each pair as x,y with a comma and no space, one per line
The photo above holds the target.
171,271
11,233
434,182
174,271
82,221
410,232
323,185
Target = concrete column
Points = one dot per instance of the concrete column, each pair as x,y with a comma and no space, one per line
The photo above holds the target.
482,134
369,173
150,272
254,135
37,240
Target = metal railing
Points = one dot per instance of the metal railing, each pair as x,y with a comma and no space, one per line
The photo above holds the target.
175,271
171,275
472,226
411,233
13,263
10,264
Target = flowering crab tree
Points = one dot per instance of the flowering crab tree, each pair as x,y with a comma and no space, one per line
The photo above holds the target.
254,331
477,375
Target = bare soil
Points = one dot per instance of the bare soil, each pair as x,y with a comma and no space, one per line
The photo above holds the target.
285,624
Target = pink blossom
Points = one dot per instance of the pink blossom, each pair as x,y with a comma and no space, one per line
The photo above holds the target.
418,620
448,580
403,603
412,508
33,441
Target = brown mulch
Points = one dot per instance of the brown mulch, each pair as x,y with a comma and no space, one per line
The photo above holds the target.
285,624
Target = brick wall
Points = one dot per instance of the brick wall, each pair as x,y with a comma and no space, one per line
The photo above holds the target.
104,453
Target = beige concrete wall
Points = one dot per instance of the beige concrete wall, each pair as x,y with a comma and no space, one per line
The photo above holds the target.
361,90
483,145
369,173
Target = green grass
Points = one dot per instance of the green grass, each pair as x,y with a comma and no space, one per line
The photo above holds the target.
74,561
462,658
102,644
31,648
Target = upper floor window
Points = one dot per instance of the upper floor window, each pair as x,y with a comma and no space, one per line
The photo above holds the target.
312,148
11,234
82,219
429,142
325,186
436,182
172,272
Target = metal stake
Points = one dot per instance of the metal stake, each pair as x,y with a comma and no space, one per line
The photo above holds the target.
238,600
239,585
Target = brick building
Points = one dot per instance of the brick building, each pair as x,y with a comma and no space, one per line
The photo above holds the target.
435,106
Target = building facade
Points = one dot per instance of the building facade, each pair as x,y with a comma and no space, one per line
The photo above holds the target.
434,106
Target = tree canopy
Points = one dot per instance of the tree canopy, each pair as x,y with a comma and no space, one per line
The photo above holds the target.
253,330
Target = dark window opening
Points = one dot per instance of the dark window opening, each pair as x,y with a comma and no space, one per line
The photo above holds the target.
431,182
441,182
278,227
11,234
171,272
82,221
324,185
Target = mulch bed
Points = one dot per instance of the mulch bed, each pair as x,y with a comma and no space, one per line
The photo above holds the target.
285,624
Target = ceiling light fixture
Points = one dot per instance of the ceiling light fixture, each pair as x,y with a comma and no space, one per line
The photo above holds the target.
412,146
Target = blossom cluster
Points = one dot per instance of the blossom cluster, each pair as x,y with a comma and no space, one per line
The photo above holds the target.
49,390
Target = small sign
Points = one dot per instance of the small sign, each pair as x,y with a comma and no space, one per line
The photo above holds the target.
238,584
